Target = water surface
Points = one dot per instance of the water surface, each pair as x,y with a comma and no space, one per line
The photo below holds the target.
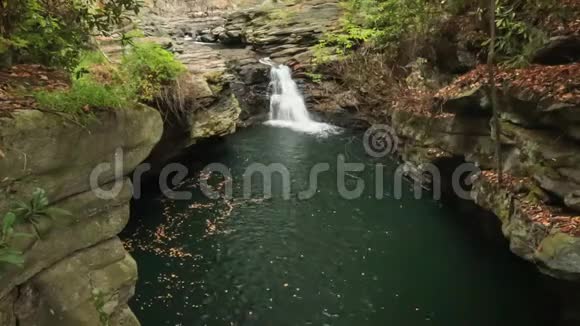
322,261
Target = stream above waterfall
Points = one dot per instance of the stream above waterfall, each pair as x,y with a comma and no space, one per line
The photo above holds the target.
323,260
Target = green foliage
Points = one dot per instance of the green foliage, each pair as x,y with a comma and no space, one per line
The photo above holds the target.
314,77
85,95
150,67
86,61
43,37
29,211
129,37
36,208
381,23
54,32
9,255
98,84
350,36
516,40
98,298
90,58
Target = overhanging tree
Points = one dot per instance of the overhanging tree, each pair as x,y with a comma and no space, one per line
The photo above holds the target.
52,32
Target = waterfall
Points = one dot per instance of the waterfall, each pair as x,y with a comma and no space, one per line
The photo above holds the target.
287,107
286,103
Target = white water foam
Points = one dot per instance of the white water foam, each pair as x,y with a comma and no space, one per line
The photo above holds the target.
287,107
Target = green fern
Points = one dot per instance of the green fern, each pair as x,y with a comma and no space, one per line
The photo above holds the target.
24,211
36,208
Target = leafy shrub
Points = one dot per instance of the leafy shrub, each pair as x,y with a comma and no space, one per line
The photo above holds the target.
516,40
88,60
385,25
9,255
314,77
99,84
382,23
151,67
29,211
85,95
129,37
54,32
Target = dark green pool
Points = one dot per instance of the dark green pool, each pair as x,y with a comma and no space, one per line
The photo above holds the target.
322,261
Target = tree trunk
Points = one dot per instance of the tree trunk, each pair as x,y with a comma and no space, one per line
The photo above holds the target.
493,89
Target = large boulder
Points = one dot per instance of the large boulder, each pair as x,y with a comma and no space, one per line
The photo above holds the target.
543,241
470,102
218,120
92,220
198,107
90,287
518,106
559,50
552,161
59,154
453,134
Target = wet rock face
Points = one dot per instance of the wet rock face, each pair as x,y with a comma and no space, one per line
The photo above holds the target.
220,120
251,90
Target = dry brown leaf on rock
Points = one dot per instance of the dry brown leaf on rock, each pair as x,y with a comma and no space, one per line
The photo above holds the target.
559,83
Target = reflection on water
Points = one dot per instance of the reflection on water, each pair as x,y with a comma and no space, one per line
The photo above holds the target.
323,261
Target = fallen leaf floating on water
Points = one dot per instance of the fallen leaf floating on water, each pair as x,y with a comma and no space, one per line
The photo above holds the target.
164,239
2,155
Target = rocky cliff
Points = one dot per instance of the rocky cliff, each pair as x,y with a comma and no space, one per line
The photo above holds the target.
537,205
539,138
537,202
230,41
77,271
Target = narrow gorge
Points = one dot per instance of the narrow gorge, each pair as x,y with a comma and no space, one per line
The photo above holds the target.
287,166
